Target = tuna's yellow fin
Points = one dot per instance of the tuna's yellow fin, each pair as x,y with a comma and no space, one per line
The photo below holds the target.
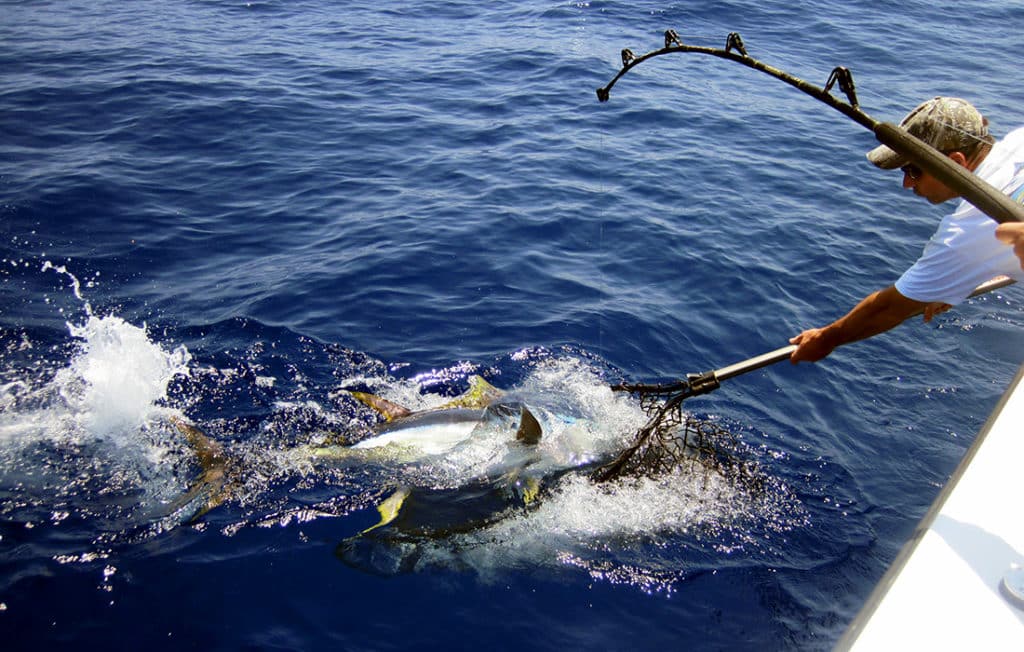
390,508
524,487
479,395
530,488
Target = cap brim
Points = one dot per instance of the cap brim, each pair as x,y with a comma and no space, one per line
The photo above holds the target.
886,158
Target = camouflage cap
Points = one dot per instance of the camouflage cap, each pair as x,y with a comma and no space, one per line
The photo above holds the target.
946,123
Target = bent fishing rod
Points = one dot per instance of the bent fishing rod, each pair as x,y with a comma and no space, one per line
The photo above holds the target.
709,381
986,198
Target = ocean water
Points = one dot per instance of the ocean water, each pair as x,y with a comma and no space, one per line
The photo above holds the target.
237,212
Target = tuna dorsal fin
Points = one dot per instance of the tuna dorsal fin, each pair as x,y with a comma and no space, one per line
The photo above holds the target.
479,395
390,411
529,428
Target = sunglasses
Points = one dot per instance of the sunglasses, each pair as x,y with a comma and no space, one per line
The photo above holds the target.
915,172
912,171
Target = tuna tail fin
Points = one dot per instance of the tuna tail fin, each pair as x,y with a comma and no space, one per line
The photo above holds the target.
209,452
390,411
211,483
525,489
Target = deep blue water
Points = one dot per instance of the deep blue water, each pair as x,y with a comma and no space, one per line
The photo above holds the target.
236,211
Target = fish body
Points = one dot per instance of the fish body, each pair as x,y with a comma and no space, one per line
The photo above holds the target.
491,493
432,432
403,436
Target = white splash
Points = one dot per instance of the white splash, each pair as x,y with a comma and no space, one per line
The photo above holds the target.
97,423
119,376
110,388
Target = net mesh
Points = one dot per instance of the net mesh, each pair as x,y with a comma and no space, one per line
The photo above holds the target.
674,441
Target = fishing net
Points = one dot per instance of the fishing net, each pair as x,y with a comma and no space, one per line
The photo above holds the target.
673,441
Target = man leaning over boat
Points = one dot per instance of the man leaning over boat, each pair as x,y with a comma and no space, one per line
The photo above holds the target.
963,253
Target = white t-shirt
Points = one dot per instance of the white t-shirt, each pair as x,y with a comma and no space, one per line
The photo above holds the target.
964,251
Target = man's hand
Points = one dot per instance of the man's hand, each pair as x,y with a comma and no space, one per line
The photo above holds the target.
933,309
812,345
1012,233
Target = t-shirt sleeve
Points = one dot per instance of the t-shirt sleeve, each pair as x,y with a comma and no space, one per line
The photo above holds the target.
960,256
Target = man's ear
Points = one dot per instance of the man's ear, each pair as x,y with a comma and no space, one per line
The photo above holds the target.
958,158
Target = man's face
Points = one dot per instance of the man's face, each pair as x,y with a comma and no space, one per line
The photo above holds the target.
925,185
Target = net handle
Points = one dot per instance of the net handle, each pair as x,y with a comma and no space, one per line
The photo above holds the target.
709,381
